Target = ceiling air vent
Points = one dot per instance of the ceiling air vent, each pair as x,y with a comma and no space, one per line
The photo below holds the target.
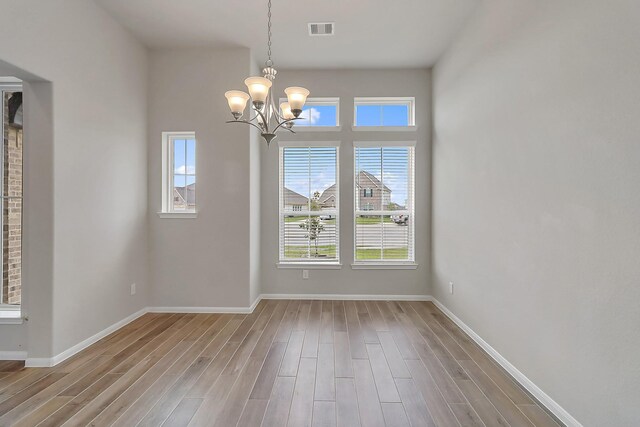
321,29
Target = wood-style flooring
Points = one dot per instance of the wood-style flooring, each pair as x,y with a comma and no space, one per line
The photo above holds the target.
289,363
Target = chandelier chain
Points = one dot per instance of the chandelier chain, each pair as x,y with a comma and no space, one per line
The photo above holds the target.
269,61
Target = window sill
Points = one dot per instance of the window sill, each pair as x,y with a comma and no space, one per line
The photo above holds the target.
181,215
301,129
10,317
384,266
309,266
384,128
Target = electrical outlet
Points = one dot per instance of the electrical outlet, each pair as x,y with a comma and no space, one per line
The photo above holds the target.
133,289
305,274
451,288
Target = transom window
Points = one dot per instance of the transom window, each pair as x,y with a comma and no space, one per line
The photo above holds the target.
319,112
309,197
377,112
384,204
179,172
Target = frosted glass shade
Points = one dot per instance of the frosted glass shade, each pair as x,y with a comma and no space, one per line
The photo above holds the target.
296,96
286,111
237,100
258,88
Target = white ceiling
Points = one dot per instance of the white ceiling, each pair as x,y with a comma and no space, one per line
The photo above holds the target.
369,33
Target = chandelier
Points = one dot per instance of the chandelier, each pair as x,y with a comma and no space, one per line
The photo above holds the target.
268,118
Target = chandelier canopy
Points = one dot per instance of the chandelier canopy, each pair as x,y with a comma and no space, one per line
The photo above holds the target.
268,118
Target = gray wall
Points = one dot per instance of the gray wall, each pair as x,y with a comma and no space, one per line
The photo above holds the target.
347,84
202,262
537,192
85,171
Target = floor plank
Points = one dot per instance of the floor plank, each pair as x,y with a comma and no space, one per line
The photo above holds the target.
342,354
395,415
324,414
325,388
415,406
346,403
277,413
382,374
368,403
301,411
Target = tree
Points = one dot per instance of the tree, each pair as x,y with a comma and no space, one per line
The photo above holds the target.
313,227
315,201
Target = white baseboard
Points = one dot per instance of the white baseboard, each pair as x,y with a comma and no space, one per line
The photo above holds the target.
347,297
518,376
13,355
232,310
44,362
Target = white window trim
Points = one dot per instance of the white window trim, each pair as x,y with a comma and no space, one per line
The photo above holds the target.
333,264
384,128
168,172
9,314
386,264
178,215
409,101
309,266
322,102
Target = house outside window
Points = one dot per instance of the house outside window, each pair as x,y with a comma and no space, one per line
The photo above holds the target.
11,200
178,174
384,203
309,197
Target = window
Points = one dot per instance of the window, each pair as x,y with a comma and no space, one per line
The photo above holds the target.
319,112
179,173
384,211
11,199
384,112
309,197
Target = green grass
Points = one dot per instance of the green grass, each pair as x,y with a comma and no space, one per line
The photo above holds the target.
372,220
329,251
324,251
389,253
294,218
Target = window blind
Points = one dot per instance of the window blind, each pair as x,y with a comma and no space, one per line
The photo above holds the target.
309,198
384,204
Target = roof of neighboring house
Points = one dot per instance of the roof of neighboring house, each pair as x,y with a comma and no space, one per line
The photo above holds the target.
364,177
327,194
187,193
293,198
15,109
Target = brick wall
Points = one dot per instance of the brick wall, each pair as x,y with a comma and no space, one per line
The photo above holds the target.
12,212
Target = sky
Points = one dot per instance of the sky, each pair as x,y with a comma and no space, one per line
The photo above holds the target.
391,162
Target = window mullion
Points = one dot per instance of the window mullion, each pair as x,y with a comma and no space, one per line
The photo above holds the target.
381,202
